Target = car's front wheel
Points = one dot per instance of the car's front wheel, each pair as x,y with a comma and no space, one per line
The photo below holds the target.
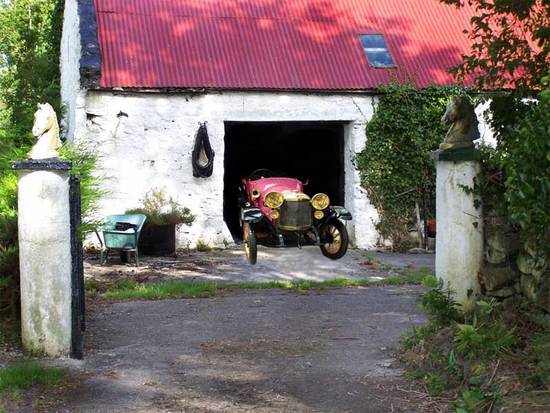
334,239
250,244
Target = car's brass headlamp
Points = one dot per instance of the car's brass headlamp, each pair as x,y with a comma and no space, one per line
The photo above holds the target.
320,201
274,200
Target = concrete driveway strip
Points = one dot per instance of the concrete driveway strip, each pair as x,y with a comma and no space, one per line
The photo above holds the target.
254,351
286,264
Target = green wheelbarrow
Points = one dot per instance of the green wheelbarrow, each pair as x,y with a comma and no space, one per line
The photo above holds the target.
121,232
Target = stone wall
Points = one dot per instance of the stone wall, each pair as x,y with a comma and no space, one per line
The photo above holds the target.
512,267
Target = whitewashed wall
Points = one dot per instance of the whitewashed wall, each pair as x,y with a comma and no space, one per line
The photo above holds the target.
487,135
145,140
69,65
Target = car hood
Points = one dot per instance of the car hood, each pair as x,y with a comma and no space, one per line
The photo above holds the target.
267,185
295,196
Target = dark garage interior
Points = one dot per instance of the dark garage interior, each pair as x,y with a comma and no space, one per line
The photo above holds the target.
309,151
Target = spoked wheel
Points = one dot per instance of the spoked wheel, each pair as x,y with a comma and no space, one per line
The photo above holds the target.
334,239
250,244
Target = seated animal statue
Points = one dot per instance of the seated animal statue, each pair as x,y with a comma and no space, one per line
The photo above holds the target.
46,131
461,118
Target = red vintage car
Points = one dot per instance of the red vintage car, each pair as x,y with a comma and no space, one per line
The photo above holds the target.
276,212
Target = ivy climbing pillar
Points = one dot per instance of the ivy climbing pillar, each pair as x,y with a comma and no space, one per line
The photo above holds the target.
45,255
459,240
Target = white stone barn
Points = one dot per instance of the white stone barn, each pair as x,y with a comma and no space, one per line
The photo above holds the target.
281,84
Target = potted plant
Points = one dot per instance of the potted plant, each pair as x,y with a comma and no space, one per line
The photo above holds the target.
164,214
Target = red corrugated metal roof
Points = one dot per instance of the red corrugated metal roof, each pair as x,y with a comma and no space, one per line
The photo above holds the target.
275,44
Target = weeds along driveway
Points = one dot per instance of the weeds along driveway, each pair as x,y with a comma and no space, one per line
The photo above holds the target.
251,351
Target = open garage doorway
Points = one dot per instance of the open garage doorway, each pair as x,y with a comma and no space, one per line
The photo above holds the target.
309,151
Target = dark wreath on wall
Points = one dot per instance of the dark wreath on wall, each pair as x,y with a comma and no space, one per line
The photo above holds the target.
203,154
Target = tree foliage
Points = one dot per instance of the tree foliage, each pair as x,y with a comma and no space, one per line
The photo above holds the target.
29,65
510,44
29,73
528,172
404,130
511,48
521,164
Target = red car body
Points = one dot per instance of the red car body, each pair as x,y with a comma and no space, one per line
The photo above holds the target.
276,212
267,185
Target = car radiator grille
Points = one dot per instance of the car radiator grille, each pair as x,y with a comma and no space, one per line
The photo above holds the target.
295,215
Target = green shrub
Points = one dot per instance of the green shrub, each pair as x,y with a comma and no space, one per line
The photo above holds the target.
435,384
29,49
415,335
527,169
84,167
442,310
515,179
9,254
472,360
396,161
162,209
29,74
203,246
483,341
538,356
475,400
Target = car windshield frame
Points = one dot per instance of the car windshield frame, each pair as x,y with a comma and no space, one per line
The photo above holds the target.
270,174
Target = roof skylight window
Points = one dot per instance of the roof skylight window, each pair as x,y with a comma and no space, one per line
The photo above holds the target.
376,49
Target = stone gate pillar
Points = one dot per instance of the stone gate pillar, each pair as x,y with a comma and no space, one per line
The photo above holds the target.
459,240
45,255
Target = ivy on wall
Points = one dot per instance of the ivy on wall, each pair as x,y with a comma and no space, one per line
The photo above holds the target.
404,130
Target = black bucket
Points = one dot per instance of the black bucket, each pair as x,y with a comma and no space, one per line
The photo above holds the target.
158,240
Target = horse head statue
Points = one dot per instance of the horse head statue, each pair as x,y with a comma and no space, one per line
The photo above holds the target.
46,130
461,117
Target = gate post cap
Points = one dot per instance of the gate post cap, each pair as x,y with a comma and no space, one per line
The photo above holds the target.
49,164
456,155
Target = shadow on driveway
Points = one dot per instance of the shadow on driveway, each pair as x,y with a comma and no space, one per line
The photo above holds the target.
254,351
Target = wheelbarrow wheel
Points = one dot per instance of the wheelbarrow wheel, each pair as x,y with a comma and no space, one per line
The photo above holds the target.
250,244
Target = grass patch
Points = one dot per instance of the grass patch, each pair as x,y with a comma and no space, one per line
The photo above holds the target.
23,375
202,246
131,289
477,362
411,276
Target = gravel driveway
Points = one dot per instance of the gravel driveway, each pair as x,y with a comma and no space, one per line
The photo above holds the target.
253,351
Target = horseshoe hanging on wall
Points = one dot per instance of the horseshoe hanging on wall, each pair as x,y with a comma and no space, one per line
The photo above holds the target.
203,154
